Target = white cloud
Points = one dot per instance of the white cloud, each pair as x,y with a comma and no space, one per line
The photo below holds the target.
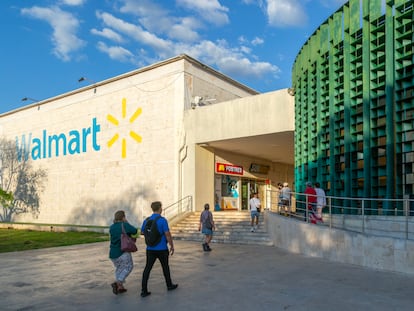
254,42
242,39
156,19
116,52
171,35
209,10
232,62
64,25
176,28
73,2
257,41
245,49
283,13
136,32
142,8
108,33
258,2
183,30
246,68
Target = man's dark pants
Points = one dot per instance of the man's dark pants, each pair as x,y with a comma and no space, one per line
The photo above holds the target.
152,256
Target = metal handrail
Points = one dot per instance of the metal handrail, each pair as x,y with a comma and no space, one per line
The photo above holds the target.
374,216
178,208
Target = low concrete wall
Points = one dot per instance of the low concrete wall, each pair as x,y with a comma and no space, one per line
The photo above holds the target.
400,227
383,253
53,227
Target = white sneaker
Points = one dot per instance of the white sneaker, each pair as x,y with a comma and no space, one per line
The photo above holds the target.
252,229
255,227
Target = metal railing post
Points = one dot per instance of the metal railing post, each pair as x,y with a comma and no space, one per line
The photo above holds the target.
363,215
330,213
406,208
306,208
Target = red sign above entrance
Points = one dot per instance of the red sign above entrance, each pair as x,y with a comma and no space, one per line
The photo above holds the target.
229,169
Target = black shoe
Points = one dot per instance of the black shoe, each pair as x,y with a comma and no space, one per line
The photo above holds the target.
204,246
172,287
208,248
114,288
145,293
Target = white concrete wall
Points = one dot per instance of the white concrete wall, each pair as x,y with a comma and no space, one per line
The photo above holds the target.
86,188
383,253
262,114
204,175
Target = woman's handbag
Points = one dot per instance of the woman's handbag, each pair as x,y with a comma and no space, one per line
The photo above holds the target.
127,242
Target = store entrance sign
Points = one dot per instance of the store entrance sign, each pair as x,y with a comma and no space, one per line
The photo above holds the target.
229,169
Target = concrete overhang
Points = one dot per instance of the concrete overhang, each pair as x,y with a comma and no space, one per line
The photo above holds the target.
259,126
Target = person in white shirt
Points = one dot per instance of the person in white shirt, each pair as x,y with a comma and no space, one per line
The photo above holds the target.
320,200
254,205
285,195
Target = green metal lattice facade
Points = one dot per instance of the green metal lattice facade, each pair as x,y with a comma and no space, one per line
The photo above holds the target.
354,102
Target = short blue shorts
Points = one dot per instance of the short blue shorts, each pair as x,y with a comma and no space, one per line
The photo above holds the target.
207,231
254,214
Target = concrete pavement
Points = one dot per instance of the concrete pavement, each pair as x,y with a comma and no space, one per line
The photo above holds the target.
231,277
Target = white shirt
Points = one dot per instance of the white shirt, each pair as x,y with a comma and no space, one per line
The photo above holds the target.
321,197
285,193
254,204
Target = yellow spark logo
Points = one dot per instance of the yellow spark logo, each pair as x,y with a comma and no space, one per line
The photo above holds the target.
115,122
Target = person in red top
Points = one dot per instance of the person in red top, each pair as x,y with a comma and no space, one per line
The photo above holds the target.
312,199
311,195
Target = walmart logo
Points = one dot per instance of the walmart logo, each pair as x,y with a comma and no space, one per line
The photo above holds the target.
75,141
132,134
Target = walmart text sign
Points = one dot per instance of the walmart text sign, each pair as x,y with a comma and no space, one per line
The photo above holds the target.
75,142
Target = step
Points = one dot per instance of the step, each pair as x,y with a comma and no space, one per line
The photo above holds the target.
258,240
232,227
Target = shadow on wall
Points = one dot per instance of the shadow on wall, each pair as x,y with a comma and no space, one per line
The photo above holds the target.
101,212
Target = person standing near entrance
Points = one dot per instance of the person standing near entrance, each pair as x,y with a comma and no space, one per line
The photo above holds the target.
159,251
311,195
206,226
254,205
320,200
286,195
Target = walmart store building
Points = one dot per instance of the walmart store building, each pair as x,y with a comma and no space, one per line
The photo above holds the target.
170,131
179,129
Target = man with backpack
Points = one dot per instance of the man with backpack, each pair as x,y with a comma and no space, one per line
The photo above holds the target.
157,234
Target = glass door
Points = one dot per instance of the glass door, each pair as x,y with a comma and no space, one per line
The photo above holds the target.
248,187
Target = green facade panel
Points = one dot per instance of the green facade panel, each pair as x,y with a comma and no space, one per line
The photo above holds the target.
354,24
375,9
354,103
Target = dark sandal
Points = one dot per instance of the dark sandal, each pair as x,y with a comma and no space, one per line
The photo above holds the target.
114,288
122,290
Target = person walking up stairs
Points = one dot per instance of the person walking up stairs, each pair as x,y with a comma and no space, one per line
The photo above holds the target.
206,226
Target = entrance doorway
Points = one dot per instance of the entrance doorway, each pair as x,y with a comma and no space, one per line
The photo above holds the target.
248,187
234,193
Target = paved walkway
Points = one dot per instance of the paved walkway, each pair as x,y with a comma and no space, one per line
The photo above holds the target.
231,277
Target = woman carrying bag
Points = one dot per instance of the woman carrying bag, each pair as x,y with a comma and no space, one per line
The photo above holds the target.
122,260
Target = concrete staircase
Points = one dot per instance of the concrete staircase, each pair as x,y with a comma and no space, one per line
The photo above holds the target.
231,227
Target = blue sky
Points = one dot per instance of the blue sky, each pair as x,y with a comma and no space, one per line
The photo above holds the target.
47,45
